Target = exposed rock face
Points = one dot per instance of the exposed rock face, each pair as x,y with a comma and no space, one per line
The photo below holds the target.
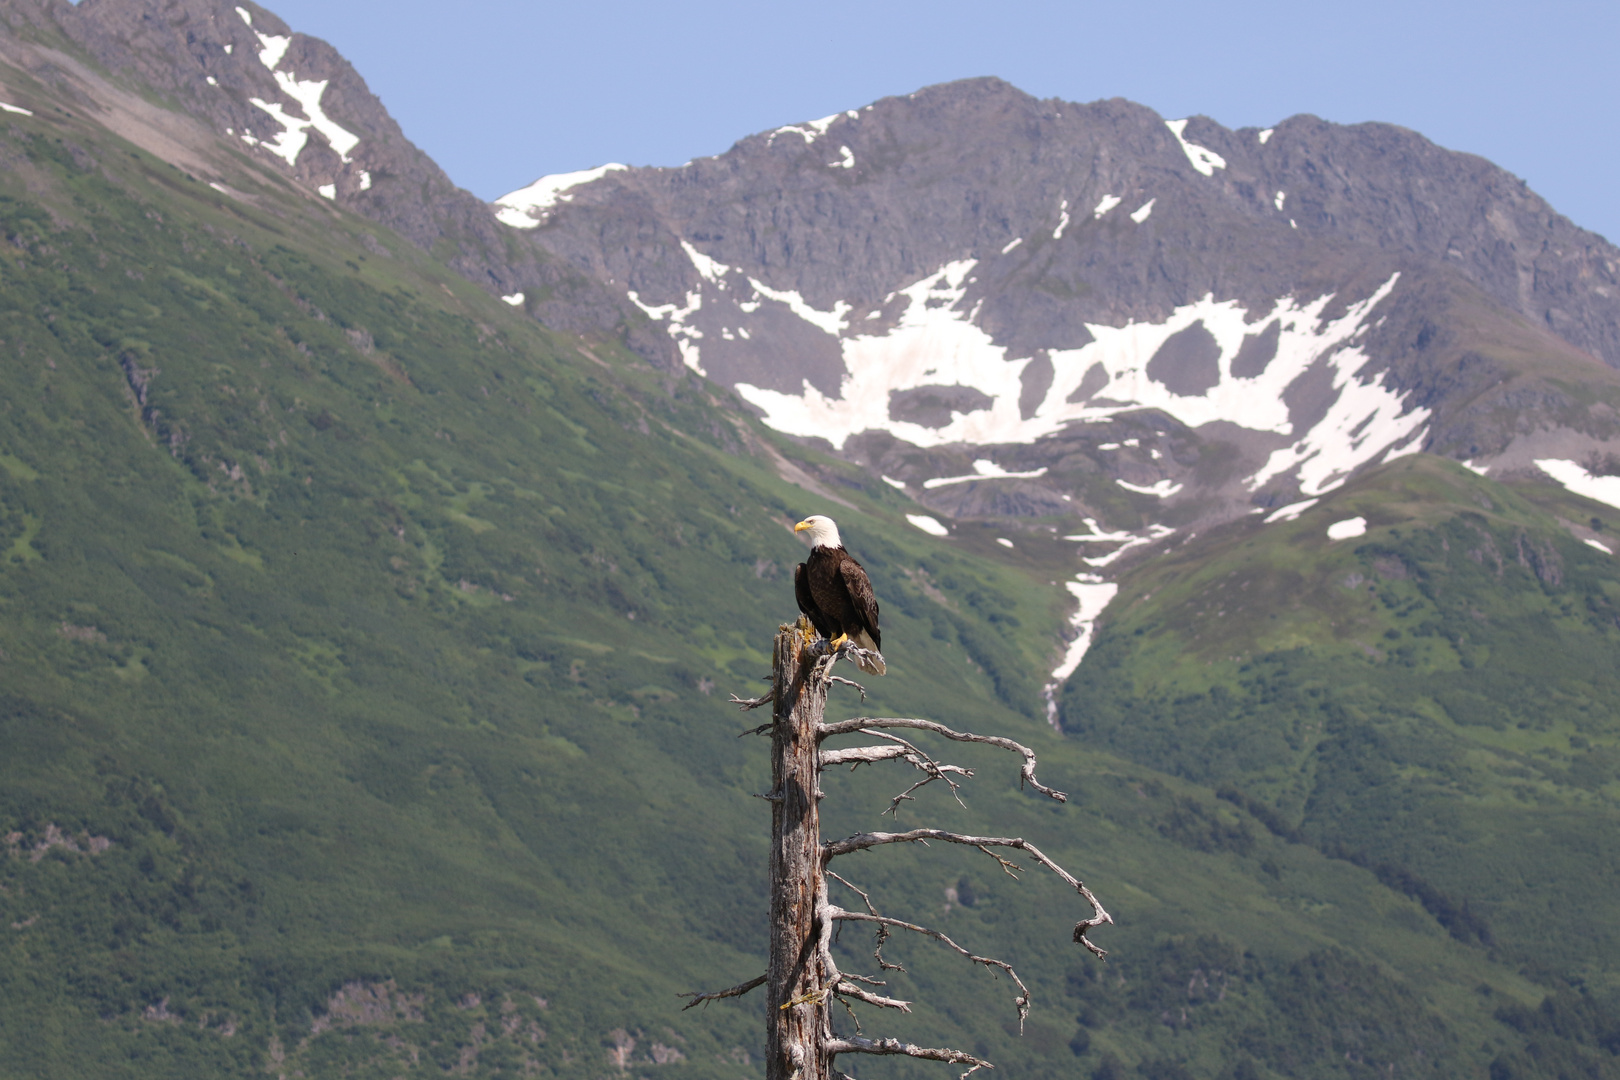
969,266
962,170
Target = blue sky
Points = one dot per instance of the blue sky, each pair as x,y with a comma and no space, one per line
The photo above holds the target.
500,92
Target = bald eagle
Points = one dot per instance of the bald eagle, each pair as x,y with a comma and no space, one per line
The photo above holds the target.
835,594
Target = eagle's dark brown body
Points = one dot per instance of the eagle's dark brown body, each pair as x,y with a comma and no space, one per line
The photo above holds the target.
836,596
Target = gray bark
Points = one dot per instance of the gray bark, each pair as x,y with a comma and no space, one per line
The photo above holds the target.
800,977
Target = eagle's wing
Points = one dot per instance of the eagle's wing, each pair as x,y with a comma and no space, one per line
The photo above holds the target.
807,603
859,587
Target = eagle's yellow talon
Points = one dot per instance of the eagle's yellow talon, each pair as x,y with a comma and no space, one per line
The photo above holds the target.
838,642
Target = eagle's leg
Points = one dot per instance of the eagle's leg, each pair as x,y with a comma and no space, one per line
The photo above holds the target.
839,642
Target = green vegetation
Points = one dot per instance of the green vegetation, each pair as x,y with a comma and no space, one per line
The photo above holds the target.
1434,701
365,649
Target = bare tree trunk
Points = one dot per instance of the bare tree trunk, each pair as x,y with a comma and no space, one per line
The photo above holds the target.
802,979
798,998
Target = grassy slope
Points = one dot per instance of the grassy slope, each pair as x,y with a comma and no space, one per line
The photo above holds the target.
1434,700
317,592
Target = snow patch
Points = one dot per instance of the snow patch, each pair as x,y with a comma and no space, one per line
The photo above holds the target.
899,485
713,271
832,322
1604,489
516,299
1477,470
1132,540
1107,203
328,191
15,109
365,180
929,525
1140,214
1265,136
1282,197
1203,159
212,81
846,159
1163,488
1348,528
308,94
1063,220
1093,595
812,130
1600,546
686,337
983,469
274,48
526,207
1096,535
1366,417
1004,542
935,343
1289,512
290,141
1016,241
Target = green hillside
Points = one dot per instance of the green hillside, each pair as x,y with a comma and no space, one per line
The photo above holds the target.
365,650
1437,701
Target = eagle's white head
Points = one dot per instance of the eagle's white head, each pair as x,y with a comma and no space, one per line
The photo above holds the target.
823,532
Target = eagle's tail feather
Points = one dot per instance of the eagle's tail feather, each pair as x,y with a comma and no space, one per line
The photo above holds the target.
868,659
871,662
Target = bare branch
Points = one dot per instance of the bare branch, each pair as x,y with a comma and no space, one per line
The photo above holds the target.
882,931
862,841
902,749
754,702
860,755
853,888
866,979
866,725
933,770
848,989
854,1044
1008,867
735,991
849,682
1021,1001
856,1020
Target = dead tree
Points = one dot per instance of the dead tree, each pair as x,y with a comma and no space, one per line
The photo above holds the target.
803,982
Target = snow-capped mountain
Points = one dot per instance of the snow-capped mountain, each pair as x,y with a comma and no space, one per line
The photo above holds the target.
1041,310
1091,321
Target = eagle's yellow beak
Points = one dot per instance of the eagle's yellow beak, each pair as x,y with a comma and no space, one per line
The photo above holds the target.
801,526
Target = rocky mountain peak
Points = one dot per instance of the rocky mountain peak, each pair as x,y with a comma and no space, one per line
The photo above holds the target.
1091,320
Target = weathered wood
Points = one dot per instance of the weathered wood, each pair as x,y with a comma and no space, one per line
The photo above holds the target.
799,980
802,979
